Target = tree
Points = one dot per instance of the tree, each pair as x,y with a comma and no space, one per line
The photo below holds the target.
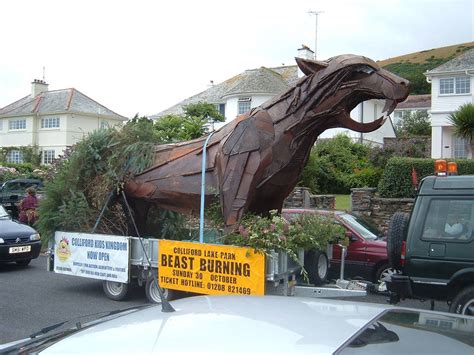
463,123
415,123
193,124
338,164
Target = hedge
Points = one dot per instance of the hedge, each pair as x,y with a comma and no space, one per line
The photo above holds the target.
396,181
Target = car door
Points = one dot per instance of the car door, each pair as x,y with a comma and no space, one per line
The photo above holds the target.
355,263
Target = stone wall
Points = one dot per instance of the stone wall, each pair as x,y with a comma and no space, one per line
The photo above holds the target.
364,202
302,198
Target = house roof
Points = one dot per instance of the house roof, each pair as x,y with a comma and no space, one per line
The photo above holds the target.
58,101
415,102
464,61
254,81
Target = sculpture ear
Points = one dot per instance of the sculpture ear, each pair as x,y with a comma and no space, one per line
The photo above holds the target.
310,66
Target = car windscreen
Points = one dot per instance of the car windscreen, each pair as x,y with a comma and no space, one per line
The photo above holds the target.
401,331
362,227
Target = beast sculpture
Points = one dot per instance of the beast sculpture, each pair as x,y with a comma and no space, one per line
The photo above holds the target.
254,162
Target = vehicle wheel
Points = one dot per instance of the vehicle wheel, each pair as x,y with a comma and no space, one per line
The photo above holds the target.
317,265
396,235
116,291
152,293
463,303
384,271
23,263
381,273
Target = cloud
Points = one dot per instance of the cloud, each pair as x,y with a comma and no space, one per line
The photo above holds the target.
144,56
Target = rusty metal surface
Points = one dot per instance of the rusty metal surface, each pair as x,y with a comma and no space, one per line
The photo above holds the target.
255,161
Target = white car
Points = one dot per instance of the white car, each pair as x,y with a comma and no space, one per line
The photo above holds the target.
258,325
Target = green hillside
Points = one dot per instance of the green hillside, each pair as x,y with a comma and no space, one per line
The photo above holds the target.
412,66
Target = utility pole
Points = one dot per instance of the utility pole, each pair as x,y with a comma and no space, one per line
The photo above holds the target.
315,13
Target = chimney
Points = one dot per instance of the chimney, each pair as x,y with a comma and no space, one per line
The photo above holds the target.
37,87
305,53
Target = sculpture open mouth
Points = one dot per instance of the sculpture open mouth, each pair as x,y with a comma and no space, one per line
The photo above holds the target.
347,121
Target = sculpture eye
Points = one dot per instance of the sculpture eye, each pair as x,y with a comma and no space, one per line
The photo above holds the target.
365,69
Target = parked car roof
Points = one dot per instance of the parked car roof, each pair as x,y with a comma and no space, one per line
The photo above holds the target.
270,324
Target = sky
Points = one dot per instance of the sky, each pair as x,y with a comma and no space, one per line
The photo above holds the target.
143,56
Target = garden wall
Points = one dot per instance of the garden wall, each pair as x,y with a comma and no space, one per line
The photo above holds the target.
379,210
363,202
302,198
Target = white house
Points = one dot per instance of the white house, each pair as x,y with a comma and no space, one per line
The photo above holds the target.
411,104
255,86
51,121
451,87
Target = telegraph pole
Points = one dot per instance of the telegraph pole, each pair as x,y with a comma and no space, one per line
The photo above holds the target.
315,13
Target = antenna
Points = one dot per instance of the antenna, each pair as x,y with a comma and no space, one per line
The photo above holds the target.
315,13
44,73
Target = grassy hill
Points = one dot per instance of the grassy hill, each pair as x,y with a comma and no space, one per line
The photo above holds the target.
412,66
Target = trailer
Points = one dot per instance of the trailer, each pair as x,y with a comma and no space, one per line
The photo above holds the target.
125,262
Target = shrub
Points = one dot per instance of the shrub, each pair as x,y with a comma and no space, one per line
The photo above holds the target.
397,182
275,233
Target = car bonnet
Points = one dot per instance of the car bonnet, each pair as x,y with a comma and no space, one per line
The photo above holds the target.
228,324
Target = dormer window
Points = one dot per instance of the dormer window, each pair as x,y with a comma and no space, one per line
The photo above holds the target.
455,86
245,104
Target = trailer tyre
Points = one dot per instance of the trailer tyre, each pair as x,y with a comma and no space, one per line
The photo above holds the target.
396,235
152,293
317,265
116,291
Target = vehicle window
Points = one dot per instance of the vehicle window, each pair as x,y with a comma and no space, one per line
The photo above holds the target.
363,228
449,219
15,186
421,332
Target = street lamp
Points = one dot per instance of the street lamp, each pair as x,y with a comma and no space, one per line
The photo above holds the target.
315,13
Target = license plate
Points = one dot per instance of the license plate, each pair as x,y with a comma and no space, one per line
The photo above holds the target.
23,249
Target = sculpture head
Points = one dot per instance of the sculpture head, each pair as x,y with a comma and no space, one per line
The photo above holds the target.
336,86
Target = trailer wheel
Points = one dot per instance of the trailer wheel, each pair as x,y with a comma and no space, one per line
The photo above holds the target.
116,291
317,265
152,293
396,235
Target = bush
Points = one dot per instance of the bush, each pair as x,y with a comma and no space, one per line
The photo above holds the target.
397,182
336,164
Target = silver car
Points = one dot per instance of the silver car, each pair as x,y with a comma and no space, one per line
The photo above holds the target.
258,325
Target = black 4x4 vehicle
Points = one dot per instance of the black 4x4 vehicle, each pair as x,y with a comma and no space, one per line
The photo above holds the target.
434,246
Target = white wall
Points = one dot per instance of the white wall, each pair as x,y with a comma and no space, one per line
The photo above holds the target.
442,103
441,107
17,137
72,128
232,105
370,111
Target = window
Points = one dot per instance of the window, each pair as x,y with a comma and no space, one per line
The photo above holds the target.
220,108
244,105
17,124
459,85
1,125
449,220
463,85
459,147
48,156
15,156
397,117
50,122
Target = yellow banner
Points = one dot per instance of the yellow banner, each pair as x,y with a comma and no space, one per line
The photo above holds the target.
210,269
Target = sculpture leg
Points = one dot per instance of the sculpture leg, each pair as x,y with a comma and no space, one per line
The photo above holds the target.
238,186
